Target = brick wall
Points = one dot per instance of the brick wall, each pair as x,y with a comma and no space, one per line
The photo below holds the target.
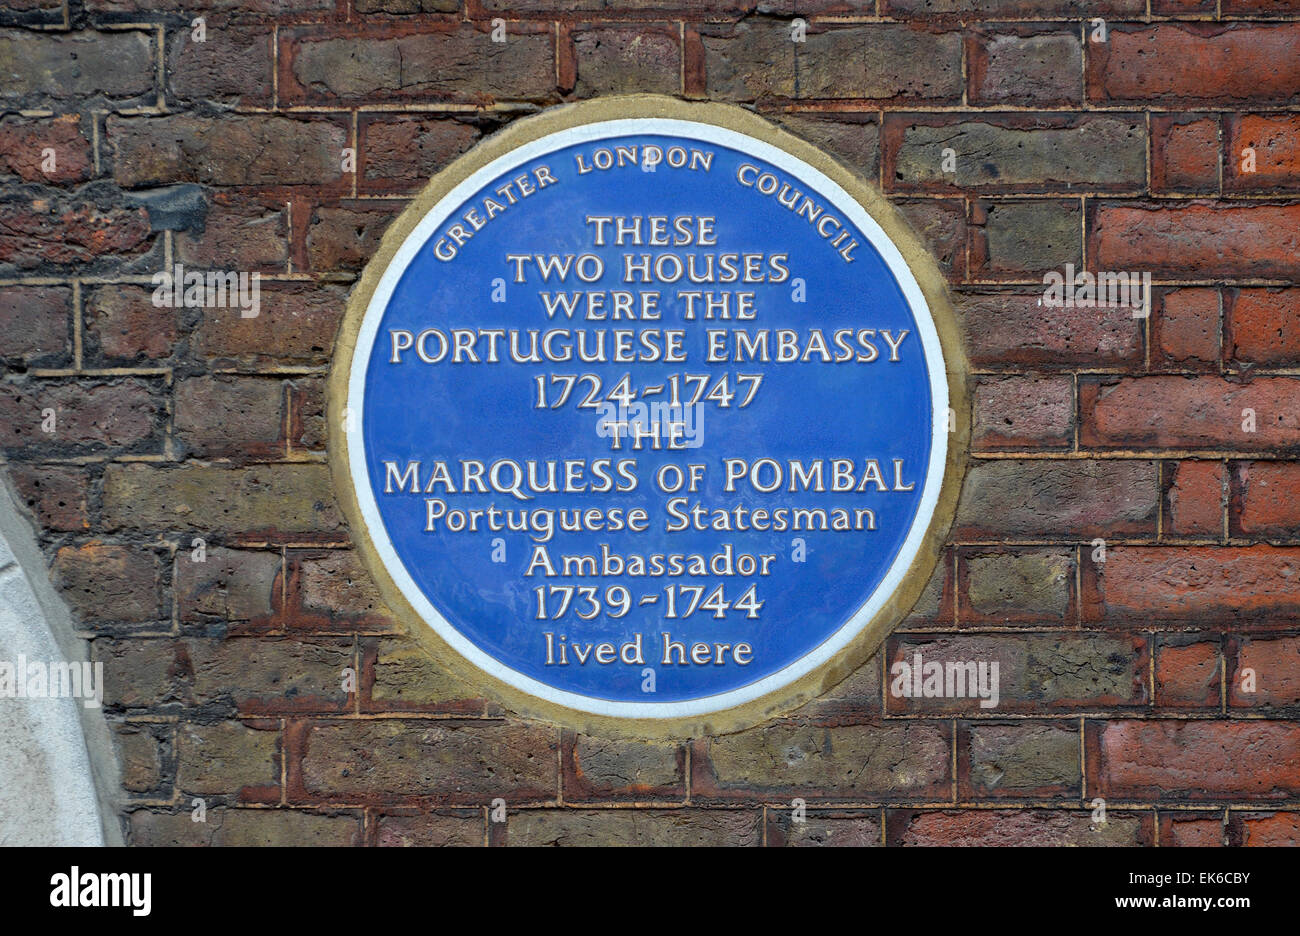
1126,669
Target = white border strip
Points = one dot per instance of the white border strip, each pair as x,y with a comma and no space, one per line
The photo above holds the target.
707,133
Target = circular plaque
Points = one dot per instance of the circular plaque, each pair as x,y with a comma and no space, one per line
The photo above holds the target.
649,416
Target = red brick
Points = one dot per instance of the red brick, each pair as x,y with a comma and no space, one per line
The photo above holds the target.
941,224
1191,830
1186,330
1193,760
1177,63
24,140
341,238
1266,499
1275,662
109,583
1187,672
1259,829
1275,138
1197,240
295,325
1023,413
58,495
35,231
1263,326
96,417
400,152
34,325
1194,498
921,9
125,327
1182,413
1193,583
1184,153
1014,330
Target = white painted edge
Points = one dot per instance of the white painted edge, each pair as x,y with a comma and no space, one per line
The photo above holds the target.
824,186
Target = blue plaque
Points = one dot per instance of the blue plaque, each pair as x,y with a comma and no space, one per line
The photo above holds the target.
642,413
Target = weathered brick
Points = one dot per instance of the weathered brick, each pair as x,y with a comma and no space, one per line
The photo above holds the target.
34,325
75,231
826,827
614,60
1015,154
1186,332
656,828
1184,153
1024,239
57,495
125,327
1187,672
604,769
400,152
109,583
941,225
880,61
239,235
44,68
1025,69
1262,326
1008,8
231,417
1018,330
340,238
1174,412
452,761
228,585
245,827
1194,498
1053,499
1261,829
295,324
1023,413
25,145
1273,678
1274,142
1184,63
1191,830
1026,585
230,758
322,67
852,138
434,829
1027,827
1019,760
407,678
1191,583
140,754
335,583
272,499
1266,499
231,66
87,417
908,760
262,676
246,149
1193,760
1035,672
1197,240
